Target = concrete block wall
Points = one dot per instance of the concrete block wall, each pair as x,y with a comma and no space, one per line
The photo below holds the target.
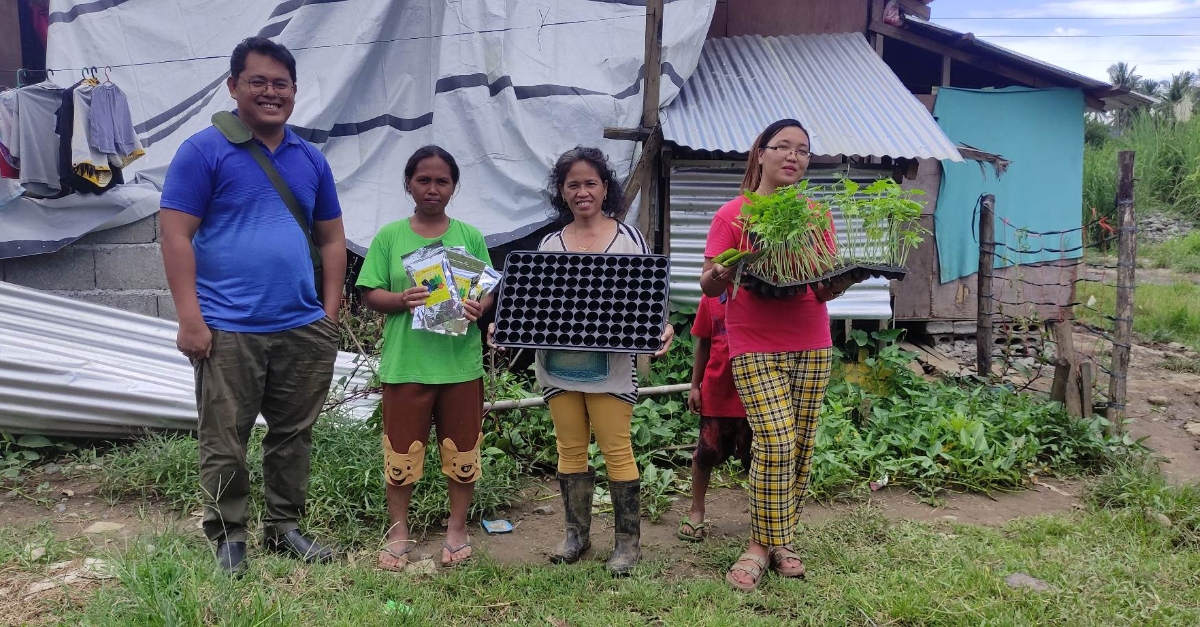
119,267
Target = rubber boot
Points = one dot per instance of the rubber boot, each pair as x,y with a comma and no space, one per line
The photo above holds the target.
628,511
577,489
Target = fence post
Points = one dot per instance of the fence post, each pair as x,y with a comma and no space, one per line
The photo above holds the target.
1126,264
987,249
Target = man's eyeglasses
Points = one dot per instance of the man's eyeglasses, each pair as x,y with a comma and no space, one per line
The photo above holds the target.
258,86
801,153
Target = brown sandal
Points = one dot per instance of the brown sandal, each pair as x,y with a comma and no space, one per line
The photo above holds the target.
755,569
780,553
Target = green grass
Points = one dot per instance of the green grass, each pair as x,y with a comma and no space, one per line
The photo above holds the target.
1162,313
1181,254
1108,565
1167,167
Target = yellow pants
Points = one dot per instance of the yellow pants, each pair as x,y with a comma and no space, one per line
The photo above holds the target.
576,415
782,393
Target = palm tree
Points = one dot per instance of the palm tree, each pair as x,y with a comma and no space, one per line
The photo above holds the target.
1150,87
1177,90
1122,74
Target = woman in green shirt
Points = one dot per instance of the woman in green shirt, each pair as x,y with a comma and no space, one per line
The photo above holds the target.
427,377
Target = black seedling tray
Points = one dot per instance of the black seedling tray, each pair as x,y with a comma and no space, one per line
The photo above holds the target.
582,301
858,272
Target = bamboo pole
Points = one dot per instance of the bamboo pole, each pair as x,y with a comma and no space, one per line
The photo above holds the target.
1126,263
987,249
506,405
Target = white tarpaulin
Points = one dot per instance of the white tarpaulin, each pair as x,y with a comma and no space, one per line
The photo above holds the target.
504,85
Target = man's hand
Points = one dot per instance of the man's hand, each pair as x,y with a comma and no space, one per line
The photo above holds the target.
473,309
194,340
694,400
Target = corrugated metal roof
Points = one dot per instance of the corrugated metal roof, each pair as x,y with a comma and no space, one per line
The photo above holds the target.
71,368
843,93
696,194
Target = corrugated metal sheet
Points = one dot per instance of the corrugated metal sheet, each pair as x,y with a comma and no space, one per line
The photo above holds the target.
696,194
835,85
70,368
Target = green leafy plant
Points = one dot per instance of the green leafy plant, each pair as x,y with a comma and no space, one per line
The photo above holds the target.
18,452
789,228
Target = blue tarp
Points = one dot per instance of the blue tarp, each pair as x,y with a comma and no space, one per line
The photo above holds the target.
1041,132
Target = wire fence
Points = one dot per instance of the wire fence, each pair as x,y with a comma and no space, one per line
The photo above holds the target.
1059,304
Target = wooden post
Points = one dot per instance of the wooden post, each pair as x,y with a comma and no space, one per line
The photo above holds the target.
1065,388
647,178
987,249
1086,403
1126,263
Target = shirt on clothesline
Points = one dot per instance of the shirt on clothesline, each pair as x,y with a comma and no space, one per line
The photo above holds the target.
37,144
110,125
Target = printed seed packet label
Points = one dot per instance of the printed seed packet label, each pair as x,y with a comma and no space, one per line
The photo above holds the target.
434,280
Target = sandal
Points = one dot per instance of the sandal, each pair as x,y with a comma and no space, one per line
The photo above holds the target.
453,550
401,557
780,553
755,569
698,534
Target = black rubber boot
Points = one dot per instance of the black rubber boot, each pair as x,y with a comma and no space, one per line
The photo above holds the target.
628,512
577,491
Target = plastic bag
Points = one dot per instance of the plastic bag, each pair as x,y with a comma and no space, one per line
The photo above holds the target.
430,267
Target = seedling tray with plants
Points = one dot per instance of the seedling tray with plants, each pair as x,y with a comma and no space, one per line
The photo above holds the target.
583,301
791,234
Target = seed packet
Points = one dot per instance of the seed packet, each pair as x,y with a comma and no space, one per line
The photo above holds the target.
467,270
487,282
430,267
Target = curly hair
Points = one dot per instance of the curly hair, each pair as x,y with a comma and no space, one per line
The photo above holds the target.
614,199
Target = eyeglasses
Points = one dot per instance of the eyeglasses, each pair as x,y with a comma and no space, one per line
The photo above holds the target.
801,153
258,86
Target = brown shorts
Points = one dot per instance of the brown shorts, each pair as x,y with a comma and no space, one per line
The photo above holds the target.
720,439
456,409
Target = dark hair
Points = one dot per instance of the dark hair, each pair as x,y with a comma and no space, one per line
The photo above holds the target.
753,177
613,199
263,46
425,152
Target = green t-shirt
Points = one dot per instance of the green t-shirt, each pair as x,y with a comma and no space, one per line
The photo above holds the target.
412,355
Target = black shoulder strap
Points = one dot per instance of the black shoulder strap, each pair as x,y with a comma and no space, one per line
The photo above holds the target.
238,133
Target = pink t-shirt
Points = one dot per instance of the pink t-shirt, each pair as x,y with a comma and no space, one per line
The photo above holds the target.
718,395
759,324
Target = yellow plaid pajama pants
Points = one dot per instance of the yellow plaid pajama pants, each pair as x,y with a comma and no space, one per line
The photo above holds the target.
782,393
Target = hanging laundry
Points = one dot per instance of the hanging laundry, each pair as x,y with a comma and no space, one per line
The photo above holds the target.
37,145
110,125
91,171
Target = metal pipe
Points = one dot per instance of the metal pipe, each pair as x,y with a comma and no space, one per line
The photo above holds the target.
506,405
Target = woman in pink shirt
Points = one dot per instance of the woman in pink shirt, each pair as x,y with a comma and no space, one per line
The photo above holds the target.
781,353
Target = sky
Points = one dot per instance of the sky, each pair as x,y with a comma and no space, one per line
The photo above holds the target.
1086,36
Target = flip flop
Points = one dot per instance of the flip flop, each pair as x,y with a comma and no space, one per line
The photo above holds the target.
453,562
401,557
755,570
699,531
780,553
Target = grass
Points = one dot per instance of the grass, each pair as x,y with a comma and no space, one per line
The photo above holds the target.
345,495
1181,254
1167,167
1162,313
1108,565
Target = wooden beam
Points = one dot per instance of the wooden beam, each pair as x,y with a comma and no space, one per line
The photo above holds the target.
971,58
915,7
654,35
983,325
946,63
645,168
627,134
1126,285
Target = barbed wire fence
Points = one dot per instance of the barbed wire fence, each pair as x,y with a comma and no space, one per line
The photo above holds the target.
1029,315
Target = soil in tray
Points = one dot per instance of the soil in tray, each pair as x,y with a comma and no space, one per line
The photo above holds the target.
858,272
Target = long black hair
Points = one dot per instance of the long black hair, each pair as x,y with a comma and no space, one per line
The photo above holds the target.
753,177
425,152
614,198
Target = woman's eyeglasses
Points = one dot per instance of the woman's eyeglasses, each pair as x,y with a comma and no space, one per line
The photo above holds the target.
801,153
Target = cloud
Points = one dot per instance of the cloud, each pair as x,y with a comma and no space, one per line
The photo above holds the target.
1108,8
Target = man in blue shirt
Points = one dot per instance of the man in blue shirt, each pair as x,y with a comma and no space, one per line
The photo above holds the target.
242,279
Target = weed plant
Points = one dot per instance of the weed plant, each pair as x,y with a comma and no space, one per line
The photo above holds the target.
1181,254
1167,167
1162,313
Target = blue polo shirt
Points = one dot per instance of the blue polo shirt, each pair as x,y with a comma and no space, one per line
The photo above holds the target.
253,270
